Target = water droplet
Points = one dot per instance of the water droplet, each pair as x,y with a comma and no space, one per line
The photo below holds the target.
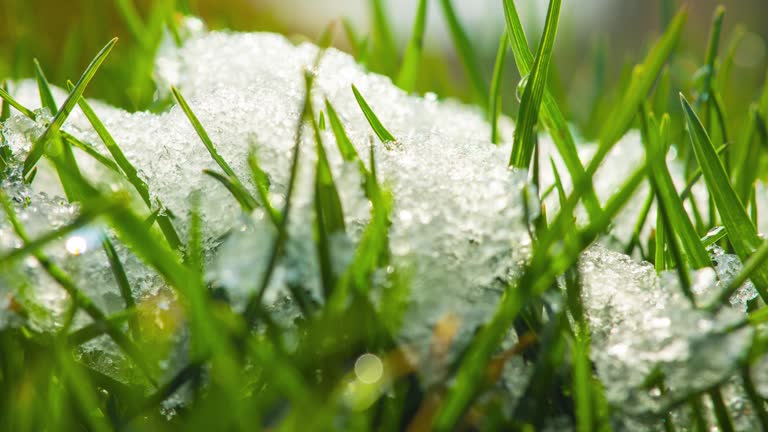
521,88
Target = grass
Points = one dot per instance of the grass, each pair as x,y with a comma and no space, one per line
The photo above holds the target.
284,378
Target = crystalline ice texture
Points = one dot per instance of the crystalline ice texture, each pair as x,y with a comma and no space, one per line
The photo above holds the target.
458,217
643,326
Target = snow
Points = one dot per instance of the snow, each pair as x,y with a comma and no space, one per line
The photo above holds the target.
642,325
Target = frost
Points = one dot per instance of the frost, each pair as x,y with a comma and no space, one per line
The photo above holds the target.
651,347
728,266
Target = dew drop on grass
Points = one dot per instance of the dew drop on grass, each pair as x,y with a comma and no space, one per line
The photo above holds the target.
520,89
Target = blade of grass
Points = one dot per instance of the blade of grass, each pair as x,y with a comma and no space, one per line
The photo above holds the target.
46,97
621,118
409,69
660,255
373,120
382,31
38,147
741,232
10,101
552,117
122,282
359,44
764,97
130,172
91,151
667,195
253,304
713,236
465,52
329,214
347,150
133,21
203,134
96,329
747,168
726,64
686,193
525,140
494,107
721,410
238,192
5,108
261,181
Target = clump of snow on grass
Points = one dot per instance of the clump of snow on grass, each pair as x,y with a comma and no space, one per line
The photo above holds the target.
651,347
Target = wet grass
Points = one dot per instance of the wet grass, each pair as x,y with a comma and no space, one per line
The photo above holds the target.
245,371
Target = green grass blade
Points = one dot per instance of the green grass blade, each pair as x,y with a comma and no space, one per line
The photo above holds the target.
253,305
133,21
5,108
662,91
46,97
238,192
38,147
359,44
712,49
741,232
621,118
373,120
696,176
409,69
382,32
91,151
726,64
122,283
660,255
130,172
747,166
764,97
668,196
465,52
261,181
552,117
117,154
721,411
525,139
346,148
202,133
8,100
329,214
713,236
558,182
494,107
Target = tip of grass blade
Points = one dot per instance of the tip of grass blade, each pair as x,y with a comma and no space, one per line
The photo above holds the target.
38,147
373,120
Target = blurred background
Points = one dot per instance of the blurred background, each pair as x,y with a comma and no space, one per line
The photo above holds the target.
598,42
